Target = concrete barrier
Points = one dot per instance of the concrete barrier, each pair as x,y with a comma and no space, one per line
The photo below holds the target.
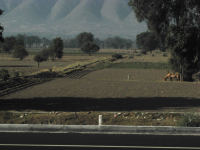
155,130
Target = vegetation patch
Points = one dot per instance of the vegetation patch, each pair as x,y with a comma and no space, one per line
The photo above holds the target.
91,118
140,65
190,120
4,74
117,56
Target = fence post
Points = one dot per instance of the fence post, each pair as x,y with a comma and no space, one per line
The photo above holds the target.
100,120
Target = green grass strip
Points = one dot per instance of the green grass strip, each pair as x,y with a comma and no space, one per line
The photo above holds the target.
135,65
140,65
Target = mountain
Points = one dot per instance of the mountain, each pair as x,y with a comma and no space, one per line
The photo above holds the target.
62,8
67,18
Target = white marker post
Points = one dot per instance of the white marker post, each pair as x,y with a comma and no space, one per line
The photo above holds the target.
100,120
128,77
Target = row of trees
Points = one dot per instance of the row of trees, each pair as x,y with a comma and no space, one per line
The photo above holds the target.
14,46
55,51
28,42
176,23
85,42
113,42
37,42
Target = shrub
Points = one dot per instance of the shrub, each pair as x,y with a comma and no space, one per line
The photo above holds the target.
138,54
117,56
190,120
20,52
143,52
4,74
45,53
131,56
165,55
90,48
49,74
39,58
196,76
15,74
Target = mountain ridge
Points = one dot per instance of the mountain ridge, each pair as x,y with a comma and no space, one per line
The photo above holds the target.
67,18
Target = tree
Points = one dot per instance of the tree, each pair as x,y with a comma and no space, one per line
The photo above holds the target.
90,48
85,37
57,47
1,29
33,41
118,43
20,52
177,24
71,43
45,53
87,43
45,42
147,41
39,58
9,44
20,39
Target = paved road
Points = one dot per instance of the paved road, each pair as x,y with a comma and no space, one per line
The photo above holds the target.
86,141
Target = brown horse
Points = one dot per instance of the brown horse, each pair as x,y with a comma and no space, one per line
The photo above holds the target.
172,76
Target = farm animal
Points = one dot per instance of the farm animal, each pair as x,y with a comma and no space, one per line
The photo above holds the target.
172,76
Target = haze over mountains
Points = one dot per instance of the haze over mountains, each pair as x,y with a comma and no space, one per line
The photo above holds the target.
67,18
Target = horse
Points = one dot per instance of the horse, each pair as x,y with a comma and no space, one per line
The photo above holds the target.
172,76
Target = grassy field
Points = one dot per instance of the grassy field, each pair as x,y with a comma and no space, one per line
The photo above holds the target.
114,83
123,78
28,65
132,84
77,51
140,65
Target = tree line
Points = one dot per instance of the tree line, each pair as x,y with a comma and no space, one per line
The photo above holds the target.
16,45
176,24
28,41
112,42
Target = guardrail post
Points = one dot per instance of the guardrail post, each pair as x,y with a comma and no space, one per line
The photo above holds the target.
100,120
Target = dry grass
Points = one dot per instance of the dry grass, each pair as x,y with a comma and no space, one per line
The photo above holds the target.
91,118
28,66
157,57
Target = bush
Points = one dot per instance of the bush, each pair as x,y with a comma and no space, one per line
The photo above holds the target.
39,58
20,52
90,48
143,52
165,55
15,74
196,76
190,120
131,57
4,74
117,56
138,54
46,75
